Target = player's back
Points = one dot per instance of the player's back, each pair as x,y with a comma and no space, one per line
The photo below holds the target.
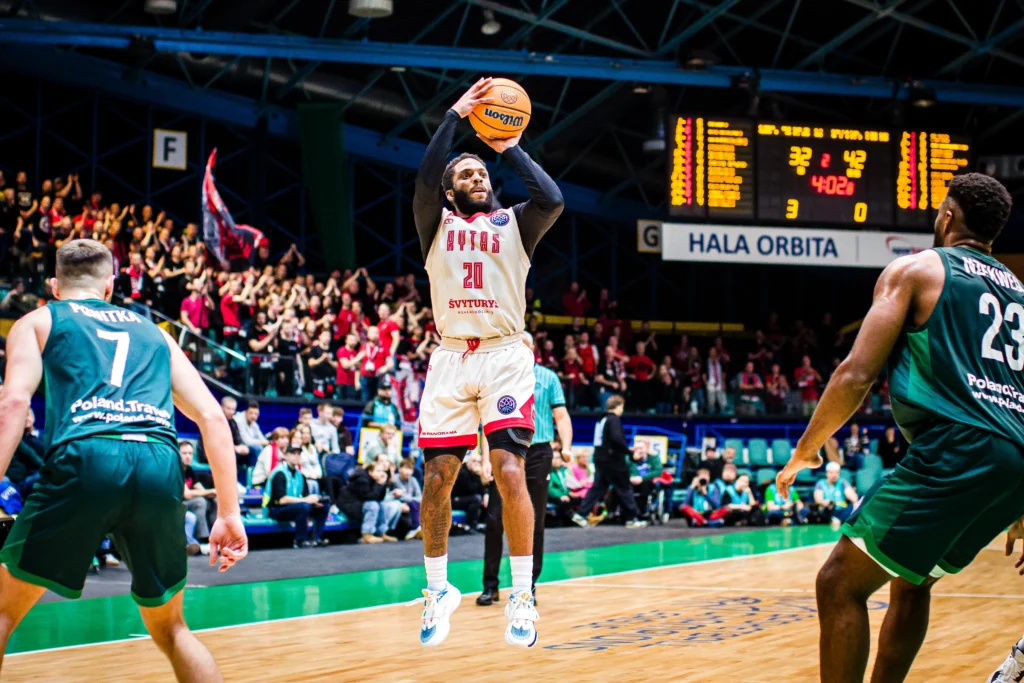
108,373
964,364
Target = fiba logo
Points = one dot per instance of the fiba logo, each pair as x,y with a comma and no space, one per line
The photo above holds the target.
500,219
506,405
509,96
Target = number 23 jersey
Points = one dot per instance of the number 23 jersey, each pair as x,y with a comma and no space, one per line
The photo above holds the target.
107,373
478,268
966,363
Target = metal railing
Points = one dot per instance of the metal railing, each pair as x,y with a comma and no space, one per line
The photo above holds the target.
222,367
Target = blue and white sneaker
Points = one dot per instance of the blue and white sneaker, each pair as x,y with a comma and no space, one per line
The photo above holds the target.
437,611
521,612
1012,670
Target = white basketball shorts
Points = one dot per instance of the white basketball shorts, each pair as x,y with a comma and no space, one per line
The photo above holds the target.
470,383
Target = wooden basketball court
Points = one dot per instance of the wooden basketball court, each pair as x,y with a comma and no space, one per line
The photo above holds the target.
744,617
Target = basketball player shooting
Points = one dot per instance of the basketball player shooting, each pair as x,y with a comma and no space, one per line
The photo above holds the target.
477,257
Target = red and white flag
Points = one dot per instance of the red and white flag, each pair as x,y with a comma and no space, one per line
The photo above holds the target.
223,238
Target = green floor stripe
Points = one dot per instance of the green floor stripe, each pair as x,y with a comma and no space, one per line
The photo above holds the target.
98,620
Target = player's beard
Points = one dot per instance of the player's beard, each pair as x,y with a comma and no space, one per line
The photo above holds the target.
467,206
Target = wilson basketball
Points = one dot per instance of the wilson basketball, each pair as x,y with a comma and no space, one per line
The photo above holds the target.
507,115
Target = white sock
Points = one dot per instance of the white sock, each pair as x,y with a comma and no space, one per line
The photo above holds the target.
522,573
437,572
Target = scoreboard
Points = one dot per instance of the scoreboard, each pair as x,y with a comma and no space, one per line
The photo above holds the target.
808,173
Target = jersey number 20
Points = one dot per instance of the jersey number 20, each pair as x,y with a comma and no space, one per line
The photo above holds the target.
120,354
988,304
474,275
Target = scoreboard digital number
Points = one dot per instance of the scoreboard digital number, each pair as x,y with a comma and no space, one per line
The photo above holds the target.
809,173
712,168
824,174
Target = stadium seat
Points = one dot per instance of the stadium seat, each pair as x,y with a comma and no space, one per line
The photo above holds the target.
866,478
781,452
874,463
810,477
757,453
741,456
873,446
765,476
743,470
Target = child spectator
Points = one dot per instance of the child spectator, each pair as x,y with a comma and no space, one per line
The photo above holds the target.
411,495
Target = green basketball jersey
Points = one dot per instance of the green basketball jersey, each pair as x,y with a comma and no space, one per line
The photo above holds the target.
965,363
108,373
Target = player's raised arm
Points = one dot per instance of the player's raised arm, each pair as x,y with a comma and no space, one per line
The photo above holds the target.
893,300
191,397
545,205
24,372
427,199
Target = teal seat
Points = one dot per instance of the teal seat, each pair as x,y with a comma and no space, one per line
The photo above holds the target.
873,463
811,477
743,470
866,478
781,452
873,446
737,444
757,453
765,475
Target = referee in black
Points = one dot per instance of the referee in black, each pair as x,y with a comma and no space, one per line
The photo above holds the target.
549,410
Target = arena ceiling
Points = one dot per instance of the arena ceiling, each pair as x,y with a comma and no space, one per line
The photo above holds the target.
600,73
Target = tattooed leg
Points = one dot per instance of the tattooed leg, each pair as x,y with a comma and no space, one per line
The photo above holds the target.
436,507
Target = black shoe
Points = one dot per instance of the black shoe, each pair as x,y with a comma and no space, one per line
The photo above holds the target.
300,544
488,597
321,543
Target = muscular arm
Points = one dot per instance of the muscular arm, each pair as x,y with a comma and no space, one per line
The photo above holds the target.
563,424
427,199
24,372
197,403
537,215
894,298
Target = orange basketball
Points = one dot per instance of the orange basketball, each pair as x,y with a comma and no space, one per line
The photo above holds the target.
507,115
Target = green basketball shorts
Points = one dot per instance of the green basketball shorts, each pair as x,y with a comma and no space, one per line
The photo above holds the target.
957,488
94,487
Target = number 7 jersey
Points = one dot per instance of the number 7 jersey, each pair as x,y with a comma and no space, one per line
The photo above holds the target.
965,363
477,268
107,373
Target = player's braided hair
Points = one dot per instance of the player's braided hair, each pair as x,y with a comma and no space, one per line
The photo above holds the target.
984,202
448,179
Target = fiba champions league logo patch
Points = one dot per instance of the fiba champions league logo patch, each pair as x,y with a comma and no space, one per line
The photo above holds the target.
500,219
506,405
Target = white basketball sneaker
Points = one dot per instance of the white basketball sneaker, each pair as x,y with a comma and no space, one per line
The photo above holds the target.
1012,670
437,611
521,612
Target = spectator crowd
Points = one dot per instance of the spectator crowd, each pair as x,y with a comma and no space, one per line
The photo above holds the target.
344,334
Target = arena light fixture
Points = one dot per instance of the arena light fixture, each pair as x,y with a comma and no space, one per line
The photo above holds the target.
921,95
161,6
491,26
371,9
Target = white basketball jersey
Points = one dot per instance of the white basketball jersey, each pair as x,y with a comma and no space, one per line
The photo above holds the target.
477,268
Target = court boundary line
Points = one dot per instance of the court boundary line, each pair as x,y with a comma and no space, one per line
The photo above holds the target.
732,589
368,608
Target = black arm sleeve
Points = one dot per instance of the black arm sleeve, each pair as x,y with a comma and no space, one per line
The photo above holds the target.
427,199
614,437
537,215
